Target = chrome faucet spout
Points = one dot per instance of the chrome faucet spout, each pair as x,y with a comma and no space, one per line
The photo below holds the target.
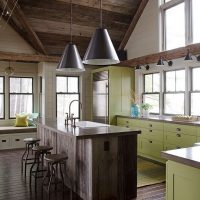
71,104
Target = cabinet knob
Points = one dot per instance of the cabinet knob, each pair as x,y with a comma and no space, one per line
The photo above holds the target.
17,140
178,147
127,122
3,140
150,125
178,135
150,131
178,129
127,126
150,141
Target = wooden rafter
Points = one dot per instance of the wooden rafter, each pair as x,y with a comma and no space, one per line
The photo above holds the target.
133,24
20,24
10,56
169,55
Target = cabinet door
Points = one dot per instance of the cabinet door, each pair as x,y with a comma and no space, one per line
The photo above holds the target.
151,147
4,142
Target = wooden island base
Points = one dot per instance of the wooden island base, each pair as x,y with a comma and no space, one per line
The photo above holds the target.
102,167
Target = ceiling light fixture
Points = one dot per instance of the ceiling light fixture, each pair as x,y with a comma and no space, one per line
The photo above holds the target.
138,67
71,60
161,62
100,50
9,70
188,56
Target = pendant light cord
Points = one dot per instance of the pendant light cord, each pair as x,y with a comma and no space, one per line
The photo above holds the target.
71,21
101,14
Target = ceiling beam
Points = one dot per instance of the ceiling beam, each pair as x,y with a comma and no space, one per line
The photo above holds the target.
169,55
133,23
10,56
20,24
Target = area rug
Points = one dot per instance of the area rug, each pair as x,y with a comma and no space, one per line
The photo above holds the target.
149,173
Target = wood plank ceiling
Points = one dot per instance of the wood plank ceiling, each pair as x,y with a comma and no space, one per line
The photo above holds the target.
47,22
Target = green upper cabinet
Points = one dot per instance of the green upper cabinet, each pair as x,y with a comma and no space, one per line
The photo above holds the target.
120,84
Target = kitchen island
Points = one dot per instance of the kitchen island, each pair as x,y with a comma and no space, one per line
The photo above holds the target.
183,173
102,161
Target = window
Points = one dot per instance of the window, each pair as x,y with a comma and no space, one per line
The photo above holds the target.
195,92
175,27
21,95
67,89
174,92
151,93
180,23
2,97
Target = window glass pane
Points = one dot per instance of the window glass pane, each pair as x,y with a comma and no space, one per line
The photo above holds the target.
63,101
73,84
61,84
170,81
196,79
1,85
180,80
195,105
1,106
20,85
167,1
148,83
174,103
175,26
20,103
152,99
156,82
195,20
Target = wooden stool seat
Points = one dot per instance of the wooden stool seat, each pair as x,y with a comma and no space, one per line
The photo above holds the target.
54,158
31,140
42,148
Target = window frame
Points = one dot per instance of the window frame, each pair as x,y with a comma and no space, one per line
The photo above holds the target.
11,93
66,93
192,91
146,93
175,92
3,93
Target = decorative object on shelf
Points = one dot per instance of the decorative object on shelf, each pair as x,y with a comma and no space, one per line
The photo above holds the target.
138,67
188,56
185,118
134,110
9,70
161,62
71,60
145,107
100,50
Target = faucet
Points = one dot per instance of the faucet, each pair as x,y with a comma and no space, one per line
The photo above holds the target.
70,112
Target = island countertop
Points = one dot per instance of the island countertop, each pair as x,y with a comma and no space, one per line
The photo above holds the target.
82,132
188,156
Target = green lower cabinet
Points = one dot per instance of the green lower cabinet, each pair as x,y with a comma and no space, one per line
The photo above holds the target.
150,148
182,182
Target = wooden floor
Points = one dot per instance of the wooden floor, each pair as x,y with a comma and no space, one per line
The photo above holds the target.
14,186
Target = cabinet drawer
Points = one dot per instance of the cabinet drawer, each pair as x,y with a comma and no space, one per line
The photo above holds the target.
179,139
190,130
127,122
152,125
152,134
4,142
151,148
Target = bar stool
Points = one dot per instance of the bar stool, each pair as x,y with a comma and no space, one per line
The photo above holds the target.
40,151
29,143
53,162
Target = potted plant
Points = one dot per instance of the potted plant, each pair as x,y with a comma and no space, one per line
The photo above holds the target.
145,107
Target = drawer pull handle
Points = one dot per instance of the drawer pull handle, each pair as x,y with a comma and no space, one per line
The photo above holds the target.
178,135
17,140
150,131
178,129
3,140
150,141
150,125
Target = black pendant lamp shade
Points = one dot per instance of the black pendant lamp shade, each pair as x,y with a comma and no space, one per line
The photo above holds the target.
100,50
160,62
71,60
188,56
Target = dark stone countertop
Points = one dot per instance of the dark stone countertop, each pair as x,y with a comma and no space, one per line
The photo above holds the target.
87,129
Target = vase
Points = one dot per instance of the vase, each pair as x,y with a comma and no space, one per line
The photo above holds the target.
134,110
145,113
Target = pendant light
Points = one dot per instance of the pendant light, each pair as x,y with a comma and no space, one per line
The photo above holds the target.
161,63
71,60
100,50
9,70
